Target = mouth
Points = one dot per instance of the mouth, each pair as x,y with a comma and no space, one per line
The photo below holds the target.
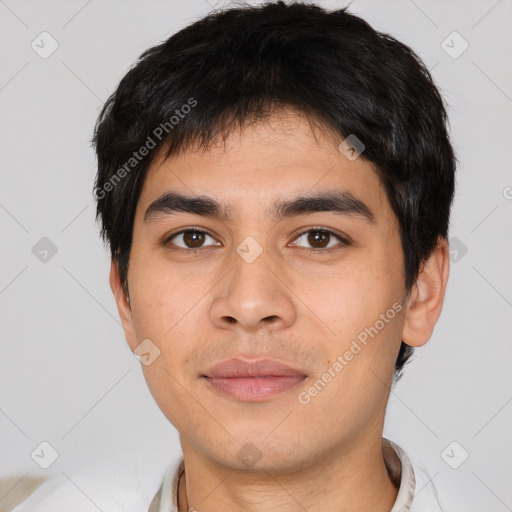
252,381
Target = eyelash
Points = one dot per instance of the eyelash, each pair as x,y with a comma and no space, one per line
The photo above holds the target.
344,241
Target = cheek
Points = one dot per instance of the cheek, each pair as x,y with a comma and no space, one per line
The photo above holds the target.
347,301
164,385
171,309
172,376
362,309
161,299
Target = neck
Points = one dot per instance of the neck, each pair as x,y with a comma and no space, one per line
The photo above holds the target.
346,480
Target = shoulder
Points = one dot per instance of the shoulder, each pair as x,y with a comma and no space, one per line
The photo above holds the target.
416,492
426,497
115,486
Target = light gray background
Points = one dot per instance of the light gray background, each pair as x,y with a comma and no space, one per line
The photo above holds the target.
67,375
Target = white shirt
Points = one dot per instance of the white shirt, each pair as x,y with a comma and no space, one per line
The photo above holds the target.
140,489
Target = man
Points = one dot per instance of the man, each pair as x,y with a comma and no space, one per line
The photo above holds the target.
274,184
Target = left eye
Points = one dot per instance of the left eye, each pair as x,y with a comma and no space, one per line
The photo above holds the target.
190,239
319,239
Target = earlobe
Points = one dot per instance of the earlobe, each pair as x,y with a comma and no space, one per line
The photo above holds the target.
425,302
123,305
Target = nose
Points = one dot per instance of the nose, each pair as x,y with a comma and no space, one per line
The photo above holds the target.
253,295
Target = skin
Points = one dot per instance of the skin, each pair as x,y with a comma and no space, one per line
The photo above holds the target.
298,307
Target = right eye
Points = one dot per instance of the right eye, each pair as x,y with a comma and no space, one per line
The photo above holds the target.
189,239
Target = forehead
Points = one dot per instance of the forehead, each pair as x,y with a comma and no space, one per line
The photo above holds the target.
263,164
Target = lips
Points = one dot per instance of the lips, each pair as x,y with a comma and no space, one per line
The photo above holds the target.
237,367
252,381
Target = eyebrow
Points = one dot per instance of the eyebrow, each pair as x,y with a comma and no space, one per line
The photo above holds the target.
337,201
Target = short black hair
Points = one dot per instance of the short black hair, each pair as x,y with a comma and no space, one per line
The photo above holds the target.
242,64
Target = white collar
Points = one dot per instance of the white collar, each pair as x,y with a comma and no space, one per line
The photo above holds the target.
396,460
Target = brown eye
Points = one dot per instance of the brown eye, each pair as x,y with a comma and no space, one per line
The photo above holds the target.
193,239
190,239
320,239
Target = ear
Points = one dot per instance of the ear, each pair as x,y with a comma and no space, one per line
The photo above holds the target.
123,306
423,307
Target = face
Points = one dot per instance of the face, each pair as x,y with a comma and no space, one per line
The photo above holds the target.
316,285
